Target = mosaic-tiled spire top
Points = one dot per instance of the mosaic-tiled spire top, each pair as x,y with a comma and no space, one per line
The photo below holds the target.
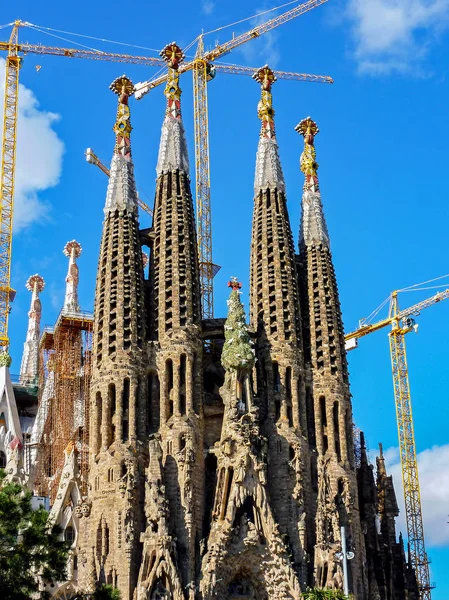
268,166
71,303
29,365
173,147
121,194
313,223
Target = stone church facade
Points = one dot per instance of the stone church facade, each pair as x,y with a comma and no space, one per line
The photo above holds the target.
221,460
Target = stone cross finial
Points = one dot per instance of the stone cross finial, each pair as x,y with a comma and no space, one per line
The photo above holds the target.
235,284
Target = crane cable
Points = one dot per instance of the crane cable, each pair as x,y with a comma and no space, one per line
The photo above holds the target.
412,288
253,16
90,37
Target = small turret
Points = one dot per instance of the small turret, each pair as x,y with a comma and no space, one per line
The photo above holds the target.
73,251
29,368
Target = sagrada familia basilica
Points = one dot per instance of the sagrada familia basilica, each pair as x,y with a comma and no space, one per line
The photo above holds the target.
191,458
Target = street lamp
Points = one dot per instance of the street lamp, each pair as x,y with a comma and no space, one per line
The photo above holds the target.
343,557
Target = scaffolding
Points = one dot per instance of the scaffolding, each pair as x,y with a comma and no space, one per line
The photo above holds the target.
65,351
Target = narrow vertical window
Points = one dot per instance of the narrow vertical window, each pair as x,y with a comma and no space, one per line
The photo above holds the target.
337,430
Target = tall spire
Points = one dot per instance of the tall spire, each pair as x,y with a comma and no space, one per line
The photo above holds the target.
173,147
268,166
174,265
122,194
313,225
73,251
29,365
118,401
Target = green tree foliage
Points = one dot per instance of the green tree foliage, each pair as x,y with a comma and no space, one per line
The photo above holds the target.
103,592
106,592
237,352
323,594
30,547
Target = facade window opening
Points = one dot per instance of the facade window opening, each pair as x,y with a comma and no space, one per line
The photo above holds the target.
288,382
182,370
276,378
125,431
69,534
337,430
182,404
112,398
125,395
169,374
277,410
2,460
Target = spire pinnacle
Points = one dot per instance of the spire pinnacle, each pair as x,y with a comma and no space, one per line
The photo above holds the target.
268,166
121,194
313,223
265,111
73,251
123,87
173,148
381,462
308,129
29,365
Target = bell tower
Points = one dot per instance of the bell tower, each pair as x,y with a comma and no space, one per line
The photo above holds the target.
111,552
330,406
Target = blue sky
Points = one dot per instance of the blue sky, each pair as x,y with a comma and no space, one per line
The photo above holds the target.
382,151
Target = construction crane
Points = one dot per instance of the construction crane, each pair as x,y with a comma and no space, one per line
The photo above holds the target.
13,64
402,322
93,159
204,71
8,152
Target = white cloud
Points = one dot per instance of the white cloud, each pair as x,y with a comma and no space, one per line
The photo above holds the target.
395,35
38,159
433,466
208,7
264,49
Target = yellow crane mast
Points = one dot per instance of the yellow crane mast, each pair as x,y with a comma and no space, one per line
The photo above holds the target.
13,62
401,323
203,71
